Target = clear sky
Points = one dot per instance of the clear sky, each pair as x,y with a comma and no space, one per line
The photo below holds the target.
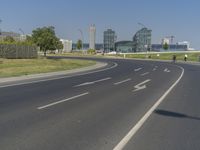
180,18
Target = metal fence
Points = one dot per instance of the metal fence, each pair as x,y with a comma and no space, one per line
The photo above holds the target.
16,51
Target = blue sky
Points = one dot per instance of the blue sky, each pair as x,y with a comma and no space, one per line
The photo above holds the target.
172,17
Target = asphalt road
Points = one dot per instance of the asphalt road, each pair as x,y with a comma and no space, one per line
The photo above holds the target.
155,103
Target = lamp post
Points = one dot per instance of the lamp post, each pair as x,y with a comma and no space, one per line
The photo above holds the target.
82,38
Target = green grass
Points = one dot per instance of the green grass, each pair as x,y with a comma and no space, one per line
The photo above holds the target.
19,67
166,56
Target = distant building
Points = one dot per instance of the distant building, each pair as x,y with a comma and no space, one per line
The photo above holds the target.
92,32
124,47
142,40
109,39
86,46
16,36
165,41
67,45
185,43
172,47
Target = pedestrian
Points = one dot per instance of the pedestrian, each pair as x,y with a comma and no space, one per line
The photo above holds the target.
174,58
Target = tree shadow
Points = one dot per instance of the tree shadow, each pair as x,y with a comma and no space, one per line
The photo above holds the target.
174,114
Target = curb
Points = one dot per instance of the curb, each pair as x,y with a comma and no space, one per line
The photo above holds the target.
52,74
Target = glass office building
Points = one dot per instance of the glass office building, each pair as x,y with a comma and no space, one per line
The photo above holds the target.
109,39
124,47
172,47
142,40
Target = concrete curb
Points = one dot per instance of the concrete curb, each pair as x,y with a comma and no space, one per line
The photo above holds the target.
52,74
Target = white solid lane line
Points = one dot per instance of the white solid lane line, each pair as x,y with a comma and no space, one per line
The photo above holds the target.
93,82
146,73
138,69
61,101
131,133
117,83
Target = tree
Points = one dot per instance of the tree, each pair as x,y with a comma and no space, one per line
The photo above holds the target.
79,44
9,39
29,39
59,44
45,38
165,46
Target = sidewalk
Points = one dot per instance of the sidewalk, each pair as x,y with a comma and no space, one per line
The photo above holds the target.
52,74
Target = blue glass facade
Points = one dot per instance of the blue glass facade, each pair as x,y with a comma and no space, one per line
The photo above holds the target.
172,47
109,39
142,40
124,46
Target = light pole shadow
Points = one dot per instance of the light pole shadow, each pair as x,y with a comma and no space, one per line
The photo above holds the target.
174,114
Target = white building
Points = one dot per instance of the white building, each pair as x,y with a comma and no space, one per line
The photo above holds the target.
92,32
67,45
185,43
165,41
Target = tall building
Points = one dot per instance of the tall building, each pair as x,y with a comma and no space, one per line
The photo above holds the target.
92,31
109,39
142,40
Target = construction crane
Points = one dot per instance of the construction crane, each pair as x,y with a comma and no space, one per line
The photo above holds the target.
21,31
142,25
171,38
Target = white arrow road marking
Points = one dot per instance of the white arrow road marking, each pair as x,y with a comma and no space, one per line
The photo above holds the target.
140,86
93,82
155,68
146,73
167,70
138,69
61,101
122,81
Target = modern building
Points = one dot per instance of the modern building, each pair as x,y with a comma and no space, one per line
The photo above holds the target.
92,32
109,39
98,46
142,40
165,41
67,45
172,47
124,47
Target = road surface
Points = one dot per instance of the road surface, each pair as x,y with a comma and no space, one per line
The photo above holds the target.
130,104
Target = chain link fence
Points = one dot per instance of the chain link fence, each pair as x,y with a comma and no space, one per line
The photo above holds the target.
16,51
